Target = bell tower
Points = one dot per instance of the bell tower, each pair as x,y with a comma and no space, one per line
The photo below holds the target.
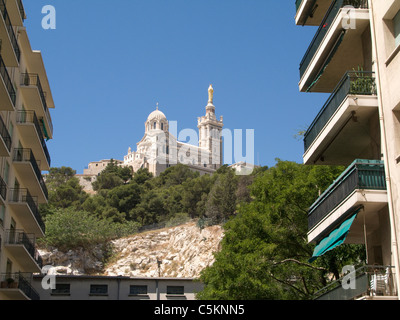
210,133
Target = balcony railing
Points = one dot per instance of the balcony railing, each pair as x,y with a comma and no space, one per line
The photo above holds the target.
3,189
5,135
298,3
30,117
23,196
324,27
21,281
7,81
19,237
26,155
372,281
21,9
32,79
10,30
352,83
361,174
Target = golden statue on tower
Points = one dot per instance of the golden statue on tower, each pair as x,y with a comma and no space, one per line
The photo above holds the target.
210,94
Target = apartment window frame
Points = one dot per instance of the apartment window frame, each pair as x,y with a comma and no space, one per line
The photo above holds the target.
176,290
62,289
396,29
138,290
98,290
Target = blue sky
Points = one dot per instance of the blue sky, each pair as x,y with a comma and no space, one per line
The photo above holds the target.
110,62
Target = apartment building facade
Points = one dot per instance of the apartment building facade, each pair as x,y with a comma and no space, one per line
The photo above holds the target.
354,56
25,126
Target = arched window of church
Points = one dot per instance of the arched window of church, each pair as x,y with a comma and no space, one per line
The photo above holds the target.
162,126
155,124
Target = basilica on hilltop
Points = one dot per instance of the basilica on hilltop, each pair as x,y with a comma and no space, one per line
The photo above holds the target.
160,149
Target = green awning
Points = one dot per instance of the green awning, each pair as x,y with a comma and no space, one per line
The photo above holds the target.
335,238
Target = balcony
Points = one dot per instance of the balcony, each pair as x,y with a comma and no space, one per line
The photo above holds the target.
21,247
336,47
361,187
3,190
371,283
342,130
34,96
16,12
29,173
32,135
311,12
5,140
7,91
25,208
9,46
18,286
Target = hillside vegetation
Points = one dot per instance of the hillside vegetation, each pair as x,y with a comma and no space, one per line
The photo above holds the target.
125,202
264,252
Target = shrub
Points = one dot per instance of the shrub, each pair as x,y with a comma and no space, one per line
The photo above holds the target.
68,229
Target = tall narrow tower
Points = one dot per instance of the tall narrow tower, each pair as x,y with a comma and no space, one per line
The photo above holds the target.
210,133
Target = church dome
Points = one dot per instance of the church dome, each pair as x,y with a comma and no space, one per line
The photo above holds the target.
156,115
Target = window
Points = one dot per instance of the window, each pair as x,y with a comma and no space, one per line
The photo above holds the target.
6,172
154,125
62,289
98,289
137,289
396,23
176,290
162,126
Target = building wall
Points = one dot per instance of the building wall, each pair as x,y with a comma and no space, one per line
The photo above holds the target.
388,66
118,288
14,177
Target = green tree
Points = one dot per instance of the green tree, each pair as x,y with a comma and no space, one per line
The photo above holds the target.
265,250
221,202
176,175
69,228
194,195
64,190
112,176
141,176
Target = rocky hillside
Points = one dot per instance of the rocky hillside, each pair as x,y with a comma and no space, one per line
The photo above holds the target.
182,251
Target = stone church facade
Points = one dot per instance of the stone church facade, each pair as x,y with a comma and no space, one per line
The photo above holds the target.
160,149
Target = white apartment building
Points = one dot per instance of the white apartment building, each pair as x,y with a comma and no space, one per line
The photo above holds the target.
25,125
354,56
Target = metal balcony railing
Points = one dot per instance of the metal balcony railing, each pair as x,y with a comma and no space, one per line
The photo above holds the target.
361,174
298,3
352,83
21,281
26,155
21,9
10,30
324,27
3,189
19,237
30,117
5,135
7,81
23,196
32,79
372,281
